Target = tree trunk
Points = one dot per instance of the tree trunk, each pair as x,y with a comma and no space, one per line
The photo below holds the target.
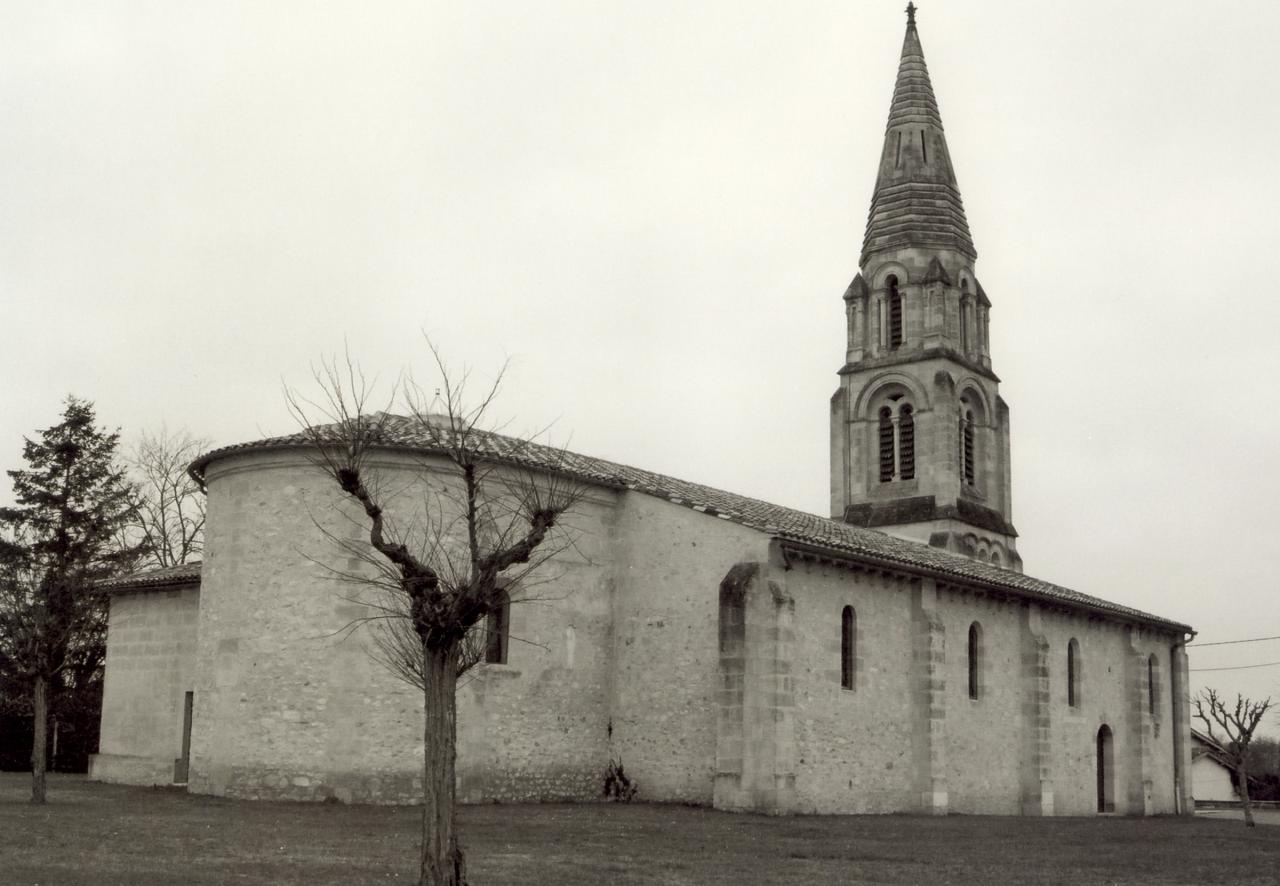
39,740
1242,776
442,863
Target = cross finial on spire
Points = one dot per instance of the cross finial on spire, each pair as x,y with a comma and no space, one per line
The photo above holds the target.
911,14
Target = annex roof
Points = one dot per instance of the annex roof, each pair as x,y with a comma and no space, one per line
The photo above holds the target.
819,534
147,579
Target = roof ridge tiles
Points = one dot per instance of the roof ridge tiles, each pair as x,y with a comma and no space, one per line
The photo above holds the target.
788,524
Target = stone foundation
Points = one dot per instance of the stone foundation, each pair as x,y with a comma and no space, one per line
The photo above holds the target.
125,769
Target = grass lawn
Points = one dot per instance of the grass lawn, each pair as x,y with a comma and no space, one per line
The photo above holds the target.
104,835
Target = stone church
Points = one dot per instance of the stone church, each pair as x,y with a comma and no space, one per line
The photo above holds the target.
893,657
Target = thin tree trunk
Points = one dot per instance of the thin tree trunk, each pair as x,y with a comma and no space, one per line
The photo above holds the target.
1242,776
442,862
39,740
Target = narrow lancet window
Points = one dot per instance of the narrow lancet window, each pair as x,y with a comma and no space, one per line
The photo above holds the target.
886,445
497,631
975,659
895,313
966,448
848,648
906,443
1073,673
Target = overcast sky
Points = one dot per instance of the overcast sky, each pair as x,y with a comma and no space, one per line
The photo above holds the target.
653,209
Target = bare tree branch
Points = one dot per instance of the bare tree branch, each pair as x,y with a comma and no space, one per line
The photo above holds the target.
435,571
1237,723
169,511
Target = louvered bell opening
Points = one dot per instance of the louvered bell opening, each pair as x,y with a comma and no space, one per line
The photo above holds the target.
907,443
886,445
968,449
895,317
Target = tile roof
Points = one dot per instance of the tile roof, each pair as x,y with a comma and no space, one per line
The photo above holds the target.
185,573
786,524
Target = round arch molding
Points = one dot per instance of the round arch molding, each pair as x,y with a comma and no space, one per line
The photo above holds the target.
878,384
883,271
970,386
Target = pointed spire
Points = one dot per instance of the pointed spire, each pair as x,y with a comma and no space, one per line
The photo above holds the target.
936,273
857,289
916,200
982,294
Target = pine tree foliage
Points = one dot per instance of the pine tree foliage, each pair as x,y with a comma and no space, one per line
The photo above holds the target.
56,542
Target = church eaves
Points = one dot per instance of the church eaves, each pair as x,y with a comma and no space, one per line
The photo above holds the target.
798,530
916,202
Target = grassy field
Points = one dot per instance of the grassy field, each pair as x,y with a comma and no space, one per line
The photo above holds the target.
105,835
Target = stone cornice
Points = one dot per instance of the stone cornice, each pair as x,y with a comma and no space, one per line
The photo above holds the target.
913,355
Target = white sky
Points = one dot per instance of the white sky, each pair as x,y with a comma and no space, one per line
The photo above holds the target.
654,209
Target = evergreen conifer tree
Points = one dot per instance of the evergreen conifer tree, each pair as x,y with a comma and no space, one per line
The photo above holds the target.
61,537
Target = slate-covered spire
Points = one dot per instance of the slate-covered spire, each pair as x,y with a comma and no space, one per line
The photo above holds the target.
916,200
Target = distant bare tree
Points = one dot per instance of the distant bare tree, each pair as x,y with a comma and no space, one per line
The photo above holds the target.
168,517
1237,724
432,580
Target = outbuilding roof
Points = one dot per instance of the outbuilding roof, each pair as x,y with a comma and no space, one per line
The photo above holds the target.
803,530
149,579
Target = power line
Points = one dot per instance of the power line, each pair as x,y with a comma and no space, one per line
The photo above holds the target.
1269,664
1232,642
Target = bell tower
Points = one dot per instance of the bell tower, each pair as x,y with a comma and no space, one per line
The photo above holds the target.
919,433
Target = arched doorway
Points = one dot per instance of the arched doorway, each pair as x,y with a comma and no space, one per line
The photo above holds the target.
1106,771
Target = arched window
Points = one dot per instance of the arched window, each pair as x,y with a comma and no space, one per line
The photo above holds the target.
967,472
906,442
975,660
1106,771
896,440
1073,673
895,312
848,648
497,626
886,444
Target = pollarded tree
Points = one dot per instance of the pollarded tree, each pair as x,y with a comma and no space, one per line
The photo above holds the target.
56,543
437,574
1236,724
